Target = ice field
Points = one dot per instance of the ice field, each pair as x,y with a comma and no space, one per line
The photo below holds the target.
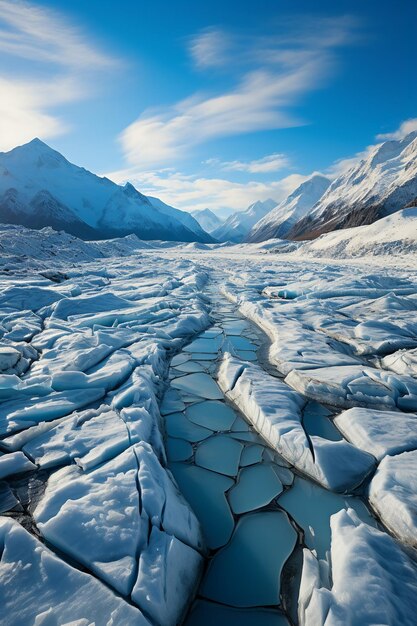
201,437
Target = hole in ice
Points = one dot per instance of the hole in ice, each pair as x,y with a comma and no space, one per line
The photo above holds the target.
311,506
247,572
179,427
205,492
257,485
205,613
212,413
219,454
199,384
178,449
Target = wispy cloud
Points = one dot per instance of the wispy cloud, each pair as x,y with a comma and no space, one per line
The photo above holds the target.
407,127
210,48
266,165
276,72
55,62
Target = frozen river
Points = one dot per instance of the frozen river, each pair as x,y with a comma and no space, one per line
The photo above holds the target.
201,439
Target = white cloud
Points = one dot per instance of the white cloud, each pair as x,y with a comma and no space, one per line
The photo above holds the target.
405,128
55,62
268,164
277,72
192,192
209,48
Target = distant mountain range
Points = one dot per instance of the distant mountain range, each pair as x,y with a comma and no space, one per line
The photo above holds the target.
208,220
237,226
39,187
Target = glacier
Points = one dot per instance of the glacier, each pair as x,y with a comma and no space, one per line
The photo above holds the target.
192,434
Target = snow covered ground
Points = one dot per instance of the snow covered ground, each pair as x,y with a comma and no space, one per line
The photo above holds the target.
291,382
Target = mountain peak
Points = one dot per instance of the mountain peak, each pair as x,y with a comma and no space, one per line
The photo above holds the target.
37,142
36,152
38,146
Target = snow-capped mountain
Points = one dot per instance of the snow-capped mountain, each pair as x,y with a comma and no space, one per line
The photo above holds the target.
393,235
208,220
379,185
278,222
238,225
187,219
39,187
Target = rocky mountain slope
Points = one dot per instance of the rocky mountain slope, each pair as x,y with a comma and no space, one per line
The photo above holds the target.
379,185
283,217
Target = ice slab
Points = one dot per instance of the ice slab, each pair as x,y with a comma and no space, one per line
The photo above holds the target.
14,463
100,433
190,367
379,432
201,385
95,518
21,414
316,422
393,495
205,491
379,589
102,520
246,573
241,343
351,386
167,577
8,500
311,507
205,344
178,449
43,589
211,414
171,402
220,454
251,454
402,362
256,487
178,426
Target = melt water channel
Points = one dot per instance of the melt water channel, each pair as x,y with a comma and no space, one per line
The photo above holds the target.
256,511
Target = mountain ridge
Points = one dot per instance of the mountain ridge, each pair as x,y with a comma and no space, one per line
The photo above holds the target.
40,187
384,182
278,222
238,225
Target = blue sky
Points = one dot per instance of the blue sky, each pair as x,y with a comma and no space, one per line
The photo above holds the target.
207,104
